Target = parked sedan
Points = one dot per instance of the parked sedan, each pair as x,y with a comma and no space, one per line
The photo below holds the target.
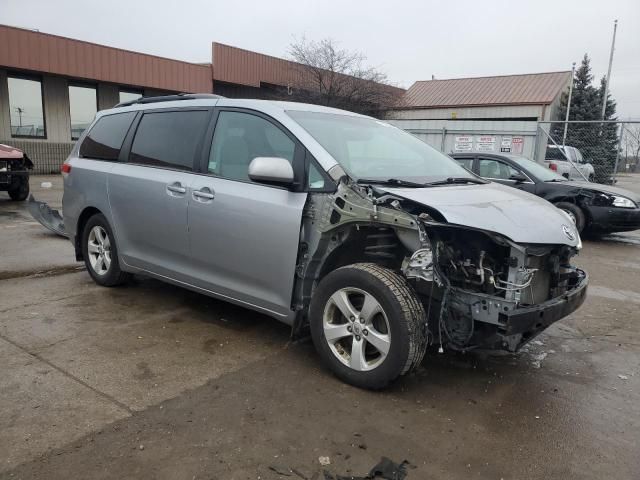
594,207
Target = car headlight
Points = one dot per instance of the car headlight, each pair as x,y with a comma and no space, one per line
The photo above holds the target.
610,200
622,202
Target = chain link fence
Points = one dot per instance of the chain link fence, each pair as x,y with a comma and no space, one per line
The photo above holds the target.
598,151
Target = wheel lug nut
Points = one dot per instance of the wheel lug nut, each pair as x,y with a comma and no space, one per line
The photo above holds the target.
352,318
361,320
365,332
358,338
349,329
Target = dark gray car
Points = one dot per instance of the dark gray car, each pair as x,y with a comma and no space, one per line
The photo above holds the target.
337,224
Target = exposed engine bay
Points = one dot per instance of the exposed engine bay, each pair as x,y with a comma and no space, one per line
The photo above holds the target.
479,288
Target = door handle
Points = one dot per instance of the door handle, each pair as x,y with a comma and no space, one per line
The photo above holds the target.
176,187
204,194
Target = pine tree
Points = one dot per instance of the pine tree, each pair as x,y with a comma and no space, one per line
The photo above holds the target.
597,142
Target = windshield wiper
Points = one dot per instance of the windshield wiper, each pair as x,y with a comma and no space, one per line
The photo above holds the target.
452,180
391,181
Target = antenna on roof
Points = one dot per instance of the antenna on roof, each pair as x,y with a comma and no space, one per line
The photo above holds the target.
433,77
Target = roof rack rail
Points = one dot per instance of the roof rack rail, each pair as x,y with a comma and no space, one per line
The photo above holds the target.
168,98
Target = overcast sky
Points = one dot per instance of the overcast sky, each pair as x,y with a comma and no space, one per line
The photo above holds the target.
409,40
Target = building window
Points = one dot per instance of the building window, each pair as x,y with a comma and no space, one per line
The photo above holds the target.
129,95
83,106
26,107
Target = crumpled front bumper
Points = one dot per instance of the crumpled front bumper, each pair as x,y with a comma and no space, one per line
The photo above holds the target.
529,321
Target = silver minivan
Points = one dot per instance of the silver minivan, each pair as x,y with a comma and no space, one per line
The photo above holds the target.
338,224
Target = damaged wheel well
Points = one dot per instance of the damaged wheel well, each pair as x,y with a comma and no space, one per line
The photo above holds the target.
84,217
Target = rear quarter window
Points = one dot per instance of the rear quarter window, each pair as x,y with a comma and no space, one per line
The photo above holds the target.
105,139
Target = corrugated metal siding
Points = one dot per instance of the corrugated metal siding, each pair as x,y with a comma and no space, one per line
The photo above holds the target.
40,52
514,111
244,67
537,88
441,134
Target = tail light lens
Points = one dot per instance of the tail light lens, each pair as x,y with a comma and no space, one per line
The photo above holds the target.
553,166
65,168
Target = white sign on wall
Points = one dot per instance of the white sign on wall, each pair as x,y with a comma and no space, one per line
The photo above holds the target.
485,143
505,145
464,143
517,145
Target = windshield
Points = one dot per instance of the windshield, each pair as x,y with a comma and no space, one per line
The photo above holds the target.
541,171
370,149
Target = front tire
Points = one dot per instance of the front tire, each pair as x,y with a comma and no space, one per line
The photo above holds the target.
367,325
101,254
20,192
575,212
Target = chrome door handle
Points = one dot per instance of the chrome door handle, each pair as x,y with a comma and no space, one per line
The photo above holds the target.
204,193
176,188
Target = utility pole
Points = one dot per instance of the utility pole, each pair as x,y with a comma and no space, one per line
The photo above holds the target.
606,82
566,118
20,111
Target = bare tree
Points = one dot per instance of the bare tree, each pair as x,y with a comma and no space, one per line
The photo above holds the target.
328,75
631,147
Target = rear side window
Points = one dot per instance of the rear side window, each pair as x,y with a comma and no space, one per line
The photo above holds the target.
105,139
168,139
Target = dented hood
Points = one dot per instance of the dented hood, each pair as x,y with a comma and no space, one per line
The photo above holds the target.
519,216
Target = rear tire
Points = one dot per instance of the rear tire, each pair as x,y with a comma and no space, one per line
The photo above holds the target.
101,254
21,191
386,336
575,212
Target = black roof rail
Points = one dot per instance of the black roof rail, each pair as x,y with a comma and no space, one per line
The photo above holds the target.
169,98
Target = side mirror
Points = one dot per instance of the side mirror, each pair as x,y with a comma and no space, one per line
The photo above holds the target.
518,177
272,170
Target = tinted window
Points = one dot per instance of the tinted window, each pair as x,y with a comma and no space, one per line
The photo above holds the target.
168,139
25,107
83,105
105,138
241,137
490,168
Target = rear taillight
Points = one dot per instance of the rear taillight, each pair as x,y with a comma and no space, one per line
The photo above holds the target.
553,166
65,168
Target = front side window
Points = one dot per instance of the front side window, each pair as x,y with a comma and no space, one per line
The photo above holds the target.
168,139
371,149
83,106
491,168
239,138
26,108
105,139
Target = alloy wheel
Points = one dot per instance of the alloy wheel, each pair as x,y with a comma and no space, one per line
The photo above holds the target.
99,250
356,329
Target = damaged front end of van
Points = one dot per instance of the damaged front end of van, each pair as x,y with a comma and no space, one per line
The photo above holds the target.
491,265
